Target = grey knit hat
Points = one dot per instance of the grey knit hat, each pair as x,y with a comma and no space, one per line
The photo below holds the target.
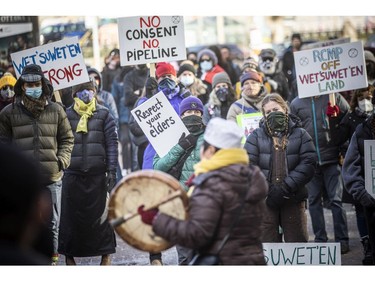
209,53
221,77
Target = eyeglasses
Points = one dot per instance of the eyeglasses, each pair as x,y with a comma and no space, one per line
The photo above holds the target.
205,60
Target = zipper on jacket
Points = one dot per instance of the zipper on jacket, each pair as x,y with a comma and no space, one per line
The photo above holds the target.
315,129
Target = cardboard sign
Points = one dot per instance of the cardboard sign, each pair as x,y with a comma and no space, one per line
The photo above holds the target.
62,62
151,39
302,253
330,69
160,123
370,167
325,43
248,122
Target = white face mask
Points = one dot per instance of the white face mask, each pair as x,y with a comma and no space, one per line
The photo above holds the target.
206,65
187,80
365,105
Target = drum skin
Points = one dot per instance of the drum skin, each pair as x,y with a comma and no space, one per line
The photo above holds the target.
148,188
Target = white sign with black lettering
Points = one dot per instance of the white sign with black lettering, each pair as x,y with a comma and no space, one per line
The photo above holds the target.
302,253
160,123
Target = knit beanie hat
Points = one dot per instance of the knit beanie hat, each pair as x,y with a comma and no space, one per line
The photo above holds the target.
253,75
90,85
191,103
164,68
369,56
7,79
249,63
32,73
186,67
221,77
223,133
209,53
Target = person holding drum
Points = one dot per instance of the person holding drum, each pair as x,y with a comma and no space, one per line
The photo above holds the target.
226,186
180,160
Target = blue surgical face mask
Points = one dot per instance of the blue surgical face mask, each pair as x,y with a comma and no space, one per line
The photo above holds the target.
167,86
206,65
86,96
34,93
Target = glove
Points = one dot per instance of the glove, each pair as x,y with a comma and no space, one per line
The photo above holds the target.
278,195
189,141
147,216
332,111
111,180
151,85
367,200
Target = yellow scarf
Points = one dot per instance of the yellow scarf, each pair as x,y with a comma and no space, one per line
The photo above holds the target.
86,111
222,158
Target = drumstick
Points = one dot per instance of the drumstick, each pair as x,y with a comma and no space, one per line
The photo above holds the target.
121,220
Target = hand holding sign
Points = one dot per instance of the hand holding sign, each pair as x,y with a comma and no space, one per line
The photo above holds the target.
332,111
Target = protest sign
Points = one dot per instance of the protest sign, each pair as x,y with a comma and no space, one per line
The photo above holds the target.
321,44
330,69
248,122
302,253
151,39
370,166
160,123
61,61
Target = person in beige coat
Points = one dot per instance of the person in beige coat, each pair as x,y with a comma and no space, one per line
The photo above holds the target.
251,96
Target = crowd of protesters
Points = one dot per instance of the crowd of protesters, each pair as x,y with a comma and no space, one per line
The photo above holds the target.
303,154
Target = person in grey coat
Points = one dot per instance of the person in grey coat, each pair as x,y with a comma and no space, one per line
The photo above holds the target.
327,178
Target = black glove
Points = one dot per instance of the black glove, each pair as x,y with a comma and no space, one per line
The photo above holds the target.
278,195
111,180
367,200
189,141
151,85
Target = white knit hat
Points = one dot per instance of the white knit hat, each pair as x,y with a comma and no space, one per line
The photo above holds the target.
223,133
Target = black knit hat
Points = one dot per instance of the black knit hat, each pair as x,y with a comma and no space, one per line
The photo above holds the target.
184,67
32,73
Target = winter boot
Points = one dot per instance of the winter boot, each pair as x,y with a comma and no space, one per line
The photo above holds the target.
367,259
69,260
106,260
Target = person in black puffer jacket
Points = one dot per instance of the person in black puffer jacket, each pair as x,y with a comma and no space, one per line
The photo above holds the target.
84,227
285,153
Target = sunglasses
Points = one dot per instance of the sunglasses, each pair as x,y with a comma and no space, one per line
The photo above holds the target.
206,60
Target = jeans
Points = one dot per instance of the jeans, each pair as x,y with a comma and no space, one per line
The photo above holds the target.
55,189
327,177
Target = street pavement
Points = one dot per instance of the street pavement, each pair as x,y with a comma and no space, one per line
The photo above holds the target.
127,255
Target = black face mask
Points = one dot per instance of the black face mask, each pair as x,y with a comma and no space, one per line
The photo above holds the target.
193,123
222,94
276,121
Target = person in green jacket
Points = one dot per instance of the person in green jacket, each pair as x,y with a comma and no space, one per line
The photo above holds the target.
180,160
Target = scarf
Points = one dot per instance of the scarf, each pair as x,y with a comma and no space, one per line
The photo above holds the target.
85,111
254,100
222,158
362,113
35,106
